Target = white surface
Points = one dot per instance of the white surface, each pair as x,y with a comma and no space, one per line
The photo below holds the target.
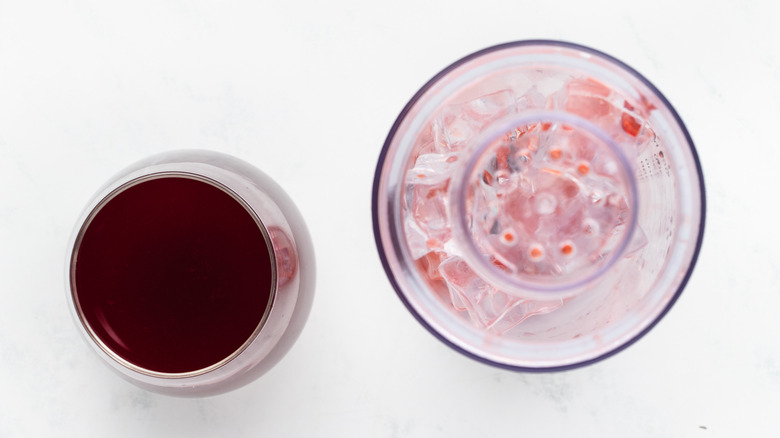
307,92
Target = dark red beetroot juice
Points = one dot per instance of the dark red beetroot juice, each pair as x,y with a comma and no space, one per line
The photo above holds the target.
173,274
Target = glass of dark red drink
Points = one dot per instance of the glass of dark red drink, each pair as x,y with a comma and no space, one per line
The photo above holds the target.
191,273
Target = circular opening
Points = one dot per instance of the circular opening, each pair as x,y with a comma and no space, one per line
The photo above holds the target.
172,275
544,206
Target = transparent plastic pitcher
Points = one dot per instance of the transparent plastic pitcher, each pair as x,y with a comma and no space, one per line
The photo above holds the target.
538,205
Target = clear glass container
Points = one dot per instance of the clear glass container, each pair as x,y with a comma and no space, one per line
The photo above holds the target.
284,299
538,205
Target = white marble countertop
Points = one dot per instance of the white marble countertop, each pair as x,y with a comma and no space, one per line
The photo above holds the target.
307,91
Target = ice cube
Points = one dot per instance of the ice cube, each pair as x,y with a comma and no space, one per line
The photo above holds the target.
468,289
430,210
433,168
459,275
520,310
487,306
416,239
493,305
587,97
531,99
487,108
460,123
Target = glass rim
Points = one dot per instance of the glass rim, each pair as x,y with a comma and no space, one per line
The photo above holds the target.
538,290
115,189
